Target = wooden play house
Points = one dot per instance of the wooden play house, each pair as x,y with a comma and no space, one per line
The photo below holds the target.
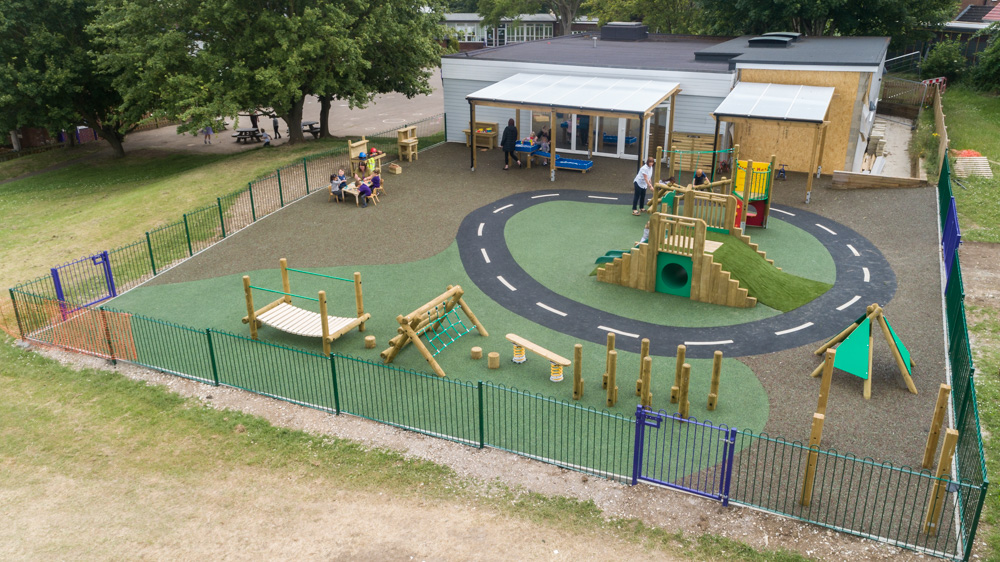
407,143
283,315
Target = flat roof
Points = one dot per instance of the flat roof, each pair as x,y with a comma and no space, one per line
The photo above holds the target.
816,51
781,102
657,53
577,93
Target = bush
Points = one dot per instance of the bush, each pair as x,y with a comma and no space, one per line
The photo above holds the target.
986,73
944,59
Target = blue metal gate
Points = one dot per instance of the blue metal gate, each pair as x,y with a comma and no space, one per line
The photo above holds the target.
84,282
685,454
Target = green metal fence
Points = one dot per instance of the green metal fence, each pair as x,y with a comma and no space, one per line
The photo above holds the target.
853,495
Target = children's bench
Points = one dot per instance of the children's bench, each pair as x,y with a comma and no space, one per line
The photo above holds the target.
521,344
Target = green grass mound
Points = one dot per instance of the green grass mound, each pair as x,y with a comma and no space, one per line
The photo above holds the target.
771,286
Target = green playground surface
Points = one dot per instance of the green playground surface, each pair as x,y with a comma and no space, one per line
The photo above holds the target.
807,269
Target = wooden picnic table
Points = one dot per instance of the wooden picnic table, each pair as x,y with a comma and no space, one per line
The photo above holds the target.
311,127
247,135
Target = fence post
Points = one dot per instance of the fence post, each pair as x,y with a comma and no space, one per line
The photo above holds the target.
222,221
305,173
281,193
17,315
336,389
187,232
211,354
727,475
253,209
975,521
149,245
640,430
107,335
482,416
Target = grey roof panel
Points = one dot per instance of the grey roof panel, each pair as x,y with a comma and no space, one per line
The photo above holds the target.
577,92
819,51
783,102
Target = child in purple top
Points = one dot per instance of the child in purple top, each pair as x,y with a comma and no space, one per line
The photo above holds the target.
369,185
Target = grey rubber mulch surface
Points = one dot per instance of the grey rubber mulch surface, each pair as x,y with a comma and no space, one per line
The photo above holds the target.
425,206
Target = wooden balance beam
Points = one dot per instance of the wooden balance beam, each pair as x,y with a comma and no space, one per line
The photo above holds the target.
521,344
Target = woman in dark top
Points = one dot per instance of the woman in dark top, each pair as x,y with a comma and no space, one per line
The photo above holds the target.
508,142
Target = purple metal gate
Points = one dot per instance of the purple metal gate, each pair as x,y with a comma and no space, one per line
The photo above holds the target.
84,282
685,454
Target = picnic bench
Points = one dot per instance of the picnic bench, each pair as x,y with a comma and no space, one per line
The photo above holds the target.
521,344
247,135
486,135
311,127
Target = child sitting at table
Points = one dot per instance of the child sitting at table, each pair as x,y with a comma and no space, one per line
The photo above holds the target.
369,185
338,182
543,141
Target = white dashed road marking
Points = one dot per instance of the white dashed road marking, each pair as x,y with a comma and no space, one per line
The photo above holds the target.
546,195
502,208
817,224
629,334
599,197
795,329
485,255
720,342
868,274
481,225
850,302
513,288
550,309
853,251
782,212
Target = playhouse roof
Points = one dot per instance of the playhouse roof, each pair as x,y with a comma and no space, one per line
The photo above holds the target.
782,102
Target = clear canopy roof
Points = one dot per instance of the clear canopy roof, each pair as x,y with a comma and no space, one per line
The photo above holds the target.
776,101
578,93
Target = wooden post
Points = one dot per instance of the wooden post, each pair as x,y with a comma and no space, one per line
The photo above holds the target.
517,122
814,440
812,163
472,132
643,354
577,371
477,353
670,134
747,184
468,312
646,395
713,392
656,169
285,285
552,145
607,362
824,386
684,405
675,390
940,488
835,340
358,299
369,342
493,360
940,409
324,321
250,311
612,387
871,352
590,137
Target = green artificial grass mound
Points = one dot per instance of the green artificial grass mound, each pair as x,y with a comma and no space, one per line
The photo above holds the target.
771,286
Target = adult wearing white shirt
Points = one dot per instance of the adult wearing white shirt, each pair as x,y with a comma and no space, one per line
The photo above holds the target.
643,181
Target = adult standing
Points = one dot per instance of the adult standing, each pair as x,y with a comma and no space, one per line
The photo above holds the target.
509,142
642,182
253,119
274,123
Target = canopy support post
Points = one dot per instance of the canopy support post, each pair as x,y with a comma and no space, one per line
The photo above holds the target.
552,145
472,134
715,148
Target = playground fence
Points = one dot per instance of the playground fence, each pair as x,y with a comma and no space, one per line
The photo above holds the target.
941,130
852,495
901,97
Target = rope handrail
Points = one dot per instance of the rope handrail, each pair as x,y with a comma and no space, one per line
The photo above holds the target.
284,293
319,274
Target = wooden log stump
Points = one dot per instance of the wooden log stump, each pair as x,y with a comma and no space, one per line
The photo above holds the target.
494,360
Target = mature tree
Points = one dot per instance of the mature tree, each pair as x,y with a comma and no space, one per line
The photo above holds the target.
50,78
661,16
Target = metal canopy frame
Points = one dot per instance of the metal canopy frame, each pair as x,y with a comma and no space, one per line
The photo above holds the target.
596,97
790,105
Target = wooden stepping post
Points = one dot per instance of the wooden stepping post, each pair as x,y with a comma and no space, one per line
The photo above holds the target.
477,353
643,354
939,491
577,372
675,390
713,392
612,387
646,396
607,363
369,342
684,406
940,409
493,361
813,458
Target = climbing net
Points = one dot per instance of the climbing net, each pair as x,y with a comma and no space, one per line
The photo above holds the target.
444,329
